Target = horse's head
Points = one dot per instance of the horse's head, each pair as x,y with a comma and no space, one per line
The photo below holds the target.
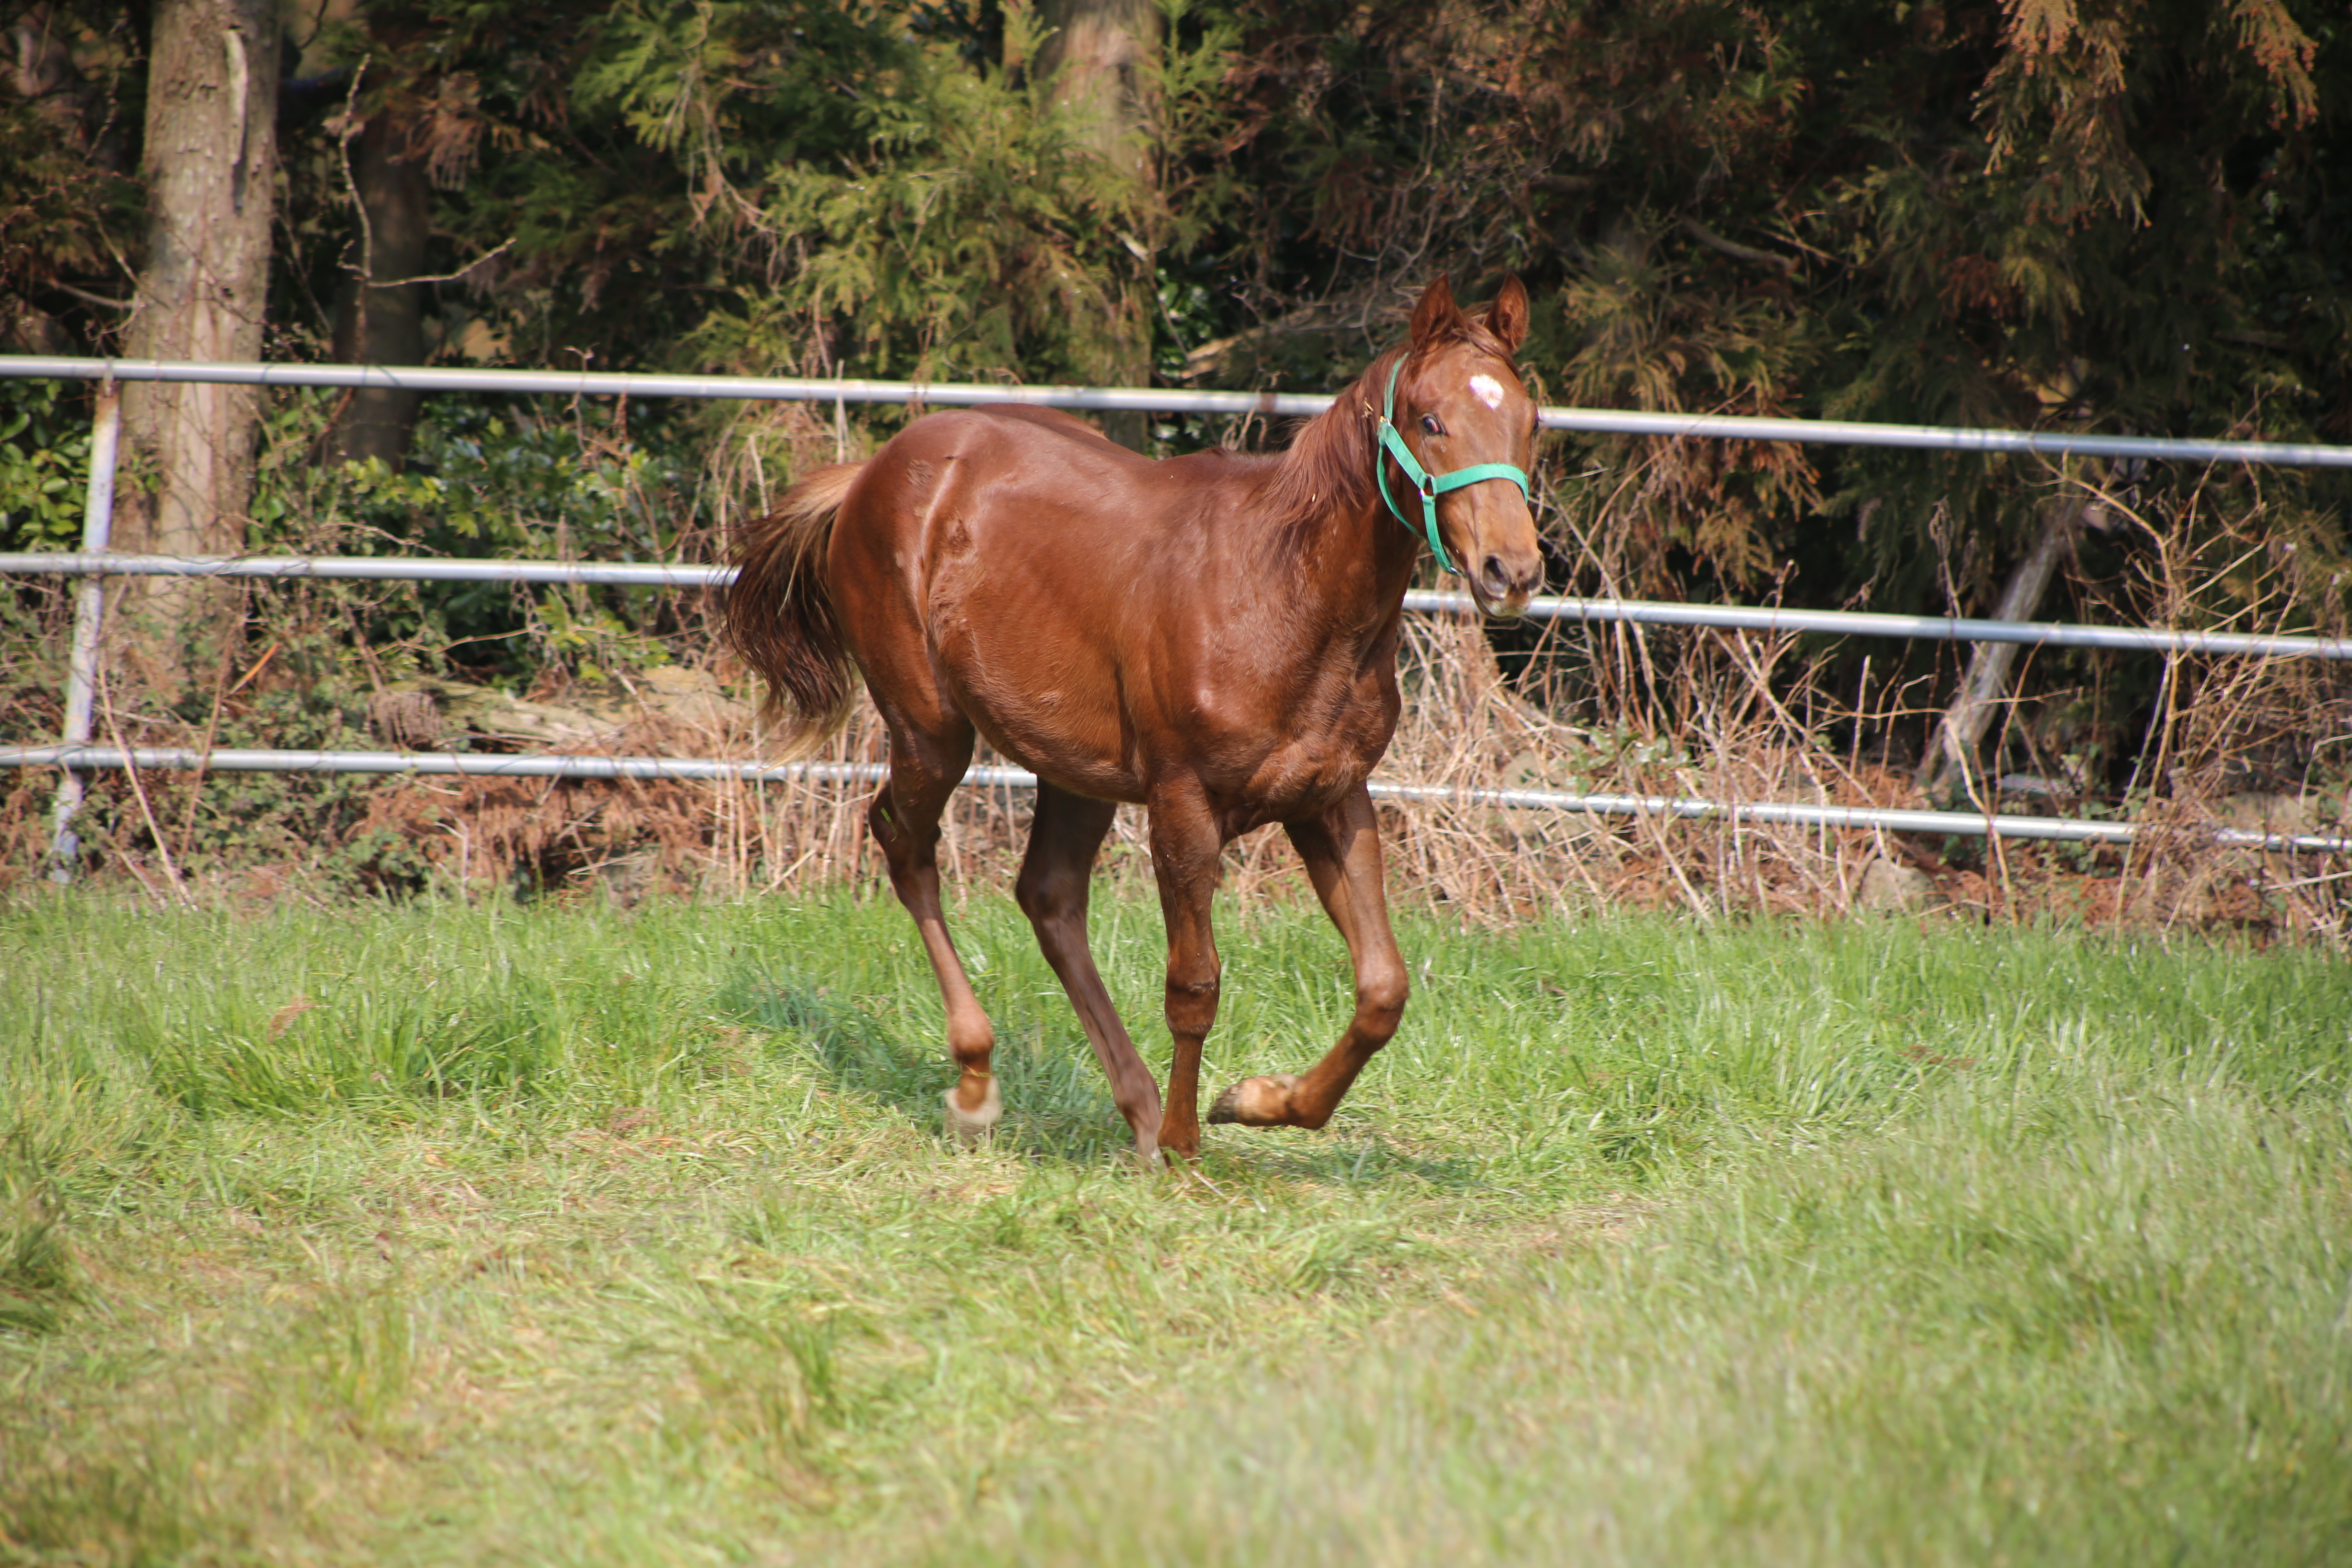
1455,406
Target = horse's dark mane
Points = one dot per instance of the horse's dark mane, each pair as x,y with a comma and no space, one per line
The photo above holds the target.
1327,466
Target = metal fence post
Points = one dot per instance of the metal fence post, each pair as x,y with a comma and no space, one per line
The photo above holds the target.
89,613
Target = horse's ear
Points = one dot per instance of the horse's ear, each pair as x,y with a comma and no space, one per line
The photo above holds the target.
1435,312
1507,318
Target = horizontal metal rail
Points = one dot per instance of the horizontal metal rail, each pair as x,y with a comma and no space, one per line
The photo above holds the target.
1917,628
1165,400
696,769
614,384
1737,617
372,568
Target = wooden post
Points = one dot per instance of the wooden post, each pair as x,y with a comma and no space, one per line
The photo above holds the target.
211,168
1964,723
90,611
1099,56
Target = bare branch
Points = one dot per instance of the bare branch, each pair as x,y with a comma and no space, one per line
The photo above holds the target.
344,134
1784,265
88,297
446,277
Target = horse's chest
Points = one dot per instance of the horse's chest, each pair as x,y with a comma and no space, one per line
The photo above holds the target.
1327,744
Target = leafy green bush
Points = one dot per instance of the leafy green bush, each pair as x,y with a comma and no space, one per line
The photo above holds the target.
44,466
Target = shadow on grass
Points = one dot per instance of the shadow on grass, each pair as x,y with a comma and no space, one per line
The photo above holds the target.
1360,1157
1057,1107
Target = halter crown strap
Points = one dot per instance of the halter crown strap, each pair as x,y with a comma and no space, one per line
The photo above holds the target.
1428,485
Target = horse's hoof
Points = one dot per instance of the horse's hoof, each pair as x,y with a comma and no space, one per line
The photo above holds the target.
970,1128
1256,1101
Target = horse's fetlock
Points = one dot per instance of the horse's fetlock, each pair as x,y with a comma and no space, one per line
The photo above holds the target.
973,1042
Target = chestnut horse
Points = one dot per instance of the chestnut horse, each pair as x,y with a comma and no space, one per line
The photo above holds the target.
1211,635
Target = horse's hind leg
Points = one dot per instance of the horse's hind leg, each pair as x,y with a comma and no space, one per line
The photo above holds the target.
1066,832
1342,851
925,768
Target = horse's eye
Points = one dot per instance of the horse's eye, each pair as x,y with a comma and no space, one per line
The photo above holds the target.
1429,423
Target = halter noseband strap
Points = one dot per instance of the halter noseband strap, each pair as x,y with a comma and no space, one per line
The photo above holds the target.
1427,485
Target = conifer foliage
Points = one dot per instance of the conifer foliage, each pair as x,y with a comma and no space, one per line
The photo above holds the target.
2121,214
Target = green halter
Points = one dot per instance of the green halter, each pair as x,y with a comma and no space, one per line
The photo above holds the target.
1427,485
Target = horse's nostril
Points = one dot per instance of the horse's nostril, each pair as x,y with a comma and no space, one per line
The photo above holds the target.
1496,578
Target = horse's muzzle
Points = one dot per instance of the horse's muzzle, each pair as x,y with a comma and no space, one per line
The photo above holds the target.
1502,590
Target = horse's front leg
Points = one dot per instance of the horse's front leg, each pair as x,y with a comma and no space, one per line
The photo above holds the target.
1065,832
1185,843
1342,851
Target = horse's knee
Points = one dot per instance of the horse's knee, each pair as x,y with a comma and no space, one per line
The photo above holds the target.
1193,1002
1380,1001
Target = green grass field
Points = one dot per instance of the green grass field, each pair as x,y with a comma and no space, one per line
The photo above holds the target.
570,1235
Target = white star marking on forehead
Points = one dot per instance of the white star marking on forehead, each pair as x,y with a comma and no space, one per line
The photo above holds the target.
1489,390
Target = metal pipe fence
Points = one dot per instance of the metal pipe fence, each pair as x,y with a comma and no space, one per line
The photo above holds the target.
1168,400
75,755
1765,618
703,770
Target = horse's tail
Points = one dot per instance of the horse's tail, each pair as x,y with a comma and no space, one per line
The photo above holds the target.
779,612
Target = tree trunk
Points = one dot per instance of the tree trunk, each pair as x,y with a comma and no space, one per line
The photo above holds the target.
211,169
1954,750
1099,54
379,318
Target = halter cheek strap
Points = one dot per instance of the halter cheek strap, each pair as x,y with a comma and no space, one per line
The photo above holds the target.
1428,485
